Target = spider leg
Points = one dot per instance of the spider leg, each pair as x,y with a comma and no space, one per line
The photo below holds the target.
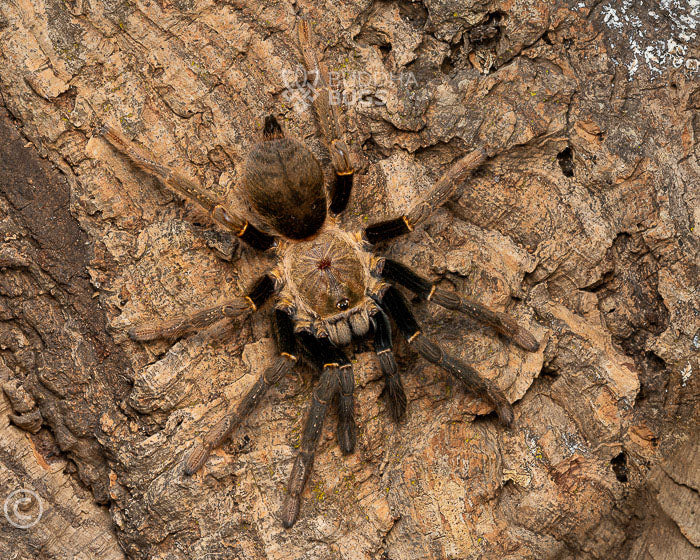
223,429
178,326
324,353
325,390
272,128
397,307
421,210
325,106
186,187
505,324
346,409
383,348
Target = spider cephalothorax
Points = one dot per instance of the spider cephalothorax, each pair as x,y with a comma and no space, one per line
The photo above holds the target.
327,282
330,288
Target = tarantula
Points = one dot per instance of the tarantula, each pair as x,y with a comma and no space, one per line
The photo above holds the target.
330,288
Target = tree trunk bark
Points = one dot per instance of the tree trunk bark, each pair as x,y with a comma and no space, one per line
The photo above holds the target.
583,225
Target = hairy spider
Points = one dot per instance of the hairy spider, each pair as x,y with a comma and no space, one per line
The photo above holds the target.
330,288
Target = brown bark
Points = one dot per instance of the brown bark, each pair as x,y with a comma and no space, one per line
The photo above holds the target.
583,225
58,366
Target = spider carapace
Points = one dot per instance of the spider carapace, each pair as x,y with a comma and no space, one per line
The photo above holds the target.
329,286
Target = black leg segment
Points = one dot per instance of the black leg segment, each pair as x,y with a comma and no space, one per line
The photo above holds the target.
393,387
284,332
341,191
255,238
397,308
398,273
387,230
271,128
321,351
261,291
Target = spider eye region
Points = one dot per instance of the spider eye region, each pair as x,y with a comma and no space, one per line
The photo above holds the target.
343,304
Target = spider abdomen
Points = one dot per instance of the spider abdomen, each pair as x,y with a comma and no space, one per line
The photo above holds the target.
283,182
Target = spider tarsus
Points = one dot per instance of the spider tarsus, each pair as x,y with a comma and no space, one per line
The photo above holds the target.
142,334
99,130
146,333
506,414
196,459
393,388
526,340
509,327
290,510
346,436
500,402
396,397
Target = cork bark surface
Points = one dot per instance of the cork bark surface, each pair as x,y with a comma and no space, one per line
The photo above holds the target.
583,224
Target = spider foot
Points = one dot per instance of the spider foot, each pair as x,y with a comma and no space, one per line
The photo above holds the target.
522,337
196,459
290,510
145,333
396,397
346,435
503,408
99,130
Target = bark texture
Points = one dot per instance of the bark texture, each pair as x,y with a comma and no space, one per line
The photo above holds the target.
583,225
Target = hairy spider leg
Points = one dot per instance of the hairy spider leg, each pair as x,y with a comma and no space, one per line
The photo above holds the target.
322,352
505,324
178,326
283,364
393,385
187,188
325,106
326,389
438,195
395,304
